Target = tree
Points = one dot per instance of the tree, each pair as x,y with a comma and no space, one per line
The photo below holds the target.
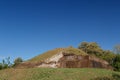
5,63
117,49
1,66
91,48
108,56
17,61
116,62
83,46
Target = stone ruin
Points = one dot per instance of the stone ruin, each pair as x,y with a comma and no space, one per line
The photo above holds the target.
70,60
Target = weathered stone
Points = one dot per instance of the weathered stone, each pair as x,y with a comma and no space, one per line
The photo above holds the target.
69,60
65,60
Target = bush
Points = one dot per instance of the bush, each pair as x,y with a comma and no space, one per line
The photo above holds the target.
17,61
116,63
1,66
5,63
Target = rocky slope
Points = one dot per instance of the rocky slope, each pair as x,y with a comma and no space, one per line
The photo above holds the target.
65,58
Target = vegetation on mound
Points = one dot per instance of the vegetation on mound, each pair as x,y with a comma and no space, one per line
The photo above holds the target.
56,74
55,51
92,48
113,57
5,63
66,73
85,48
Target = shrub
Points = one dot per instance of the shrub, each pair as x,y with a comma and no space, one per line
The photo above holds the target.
17,61
116,63
1,66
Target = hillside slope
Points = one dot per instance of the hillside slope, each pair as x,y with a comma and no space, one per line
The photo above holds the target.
55,74
55,51
37,60
65,58
36,73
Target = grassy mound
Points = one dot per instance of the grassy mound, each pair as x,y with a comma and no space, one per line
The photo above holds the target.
55,51
56,74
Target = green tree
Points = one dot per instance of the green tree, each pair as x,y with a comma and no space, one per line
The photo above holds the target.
83,46
8,61
91,48
5,63
117,49
116,62
17,61
1,66
108,56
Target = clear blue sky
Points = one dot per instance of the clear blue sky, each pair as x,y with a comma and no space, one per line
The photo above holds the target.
31,27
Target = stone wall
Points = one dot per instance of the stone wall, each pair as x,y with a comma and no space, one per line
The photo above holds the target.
78,61
69,60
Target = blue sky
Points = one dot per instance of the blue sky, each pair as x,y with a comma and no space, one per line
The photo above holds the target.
31,27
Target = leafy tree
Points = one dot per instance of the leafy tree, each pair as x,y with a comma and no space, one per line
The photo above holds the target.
17,61
8,61
117,49
5,63
108,56
91,48
1,66
83,46
116,62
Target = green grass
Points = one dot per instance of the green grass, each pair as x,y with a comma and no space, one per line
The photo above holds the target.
49,54
54,74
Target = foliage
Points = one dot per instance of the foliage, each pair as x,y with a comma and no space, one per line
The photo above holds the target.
116,62
108,56
17,61
50,53
1,66
91,48
5,63
117,49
